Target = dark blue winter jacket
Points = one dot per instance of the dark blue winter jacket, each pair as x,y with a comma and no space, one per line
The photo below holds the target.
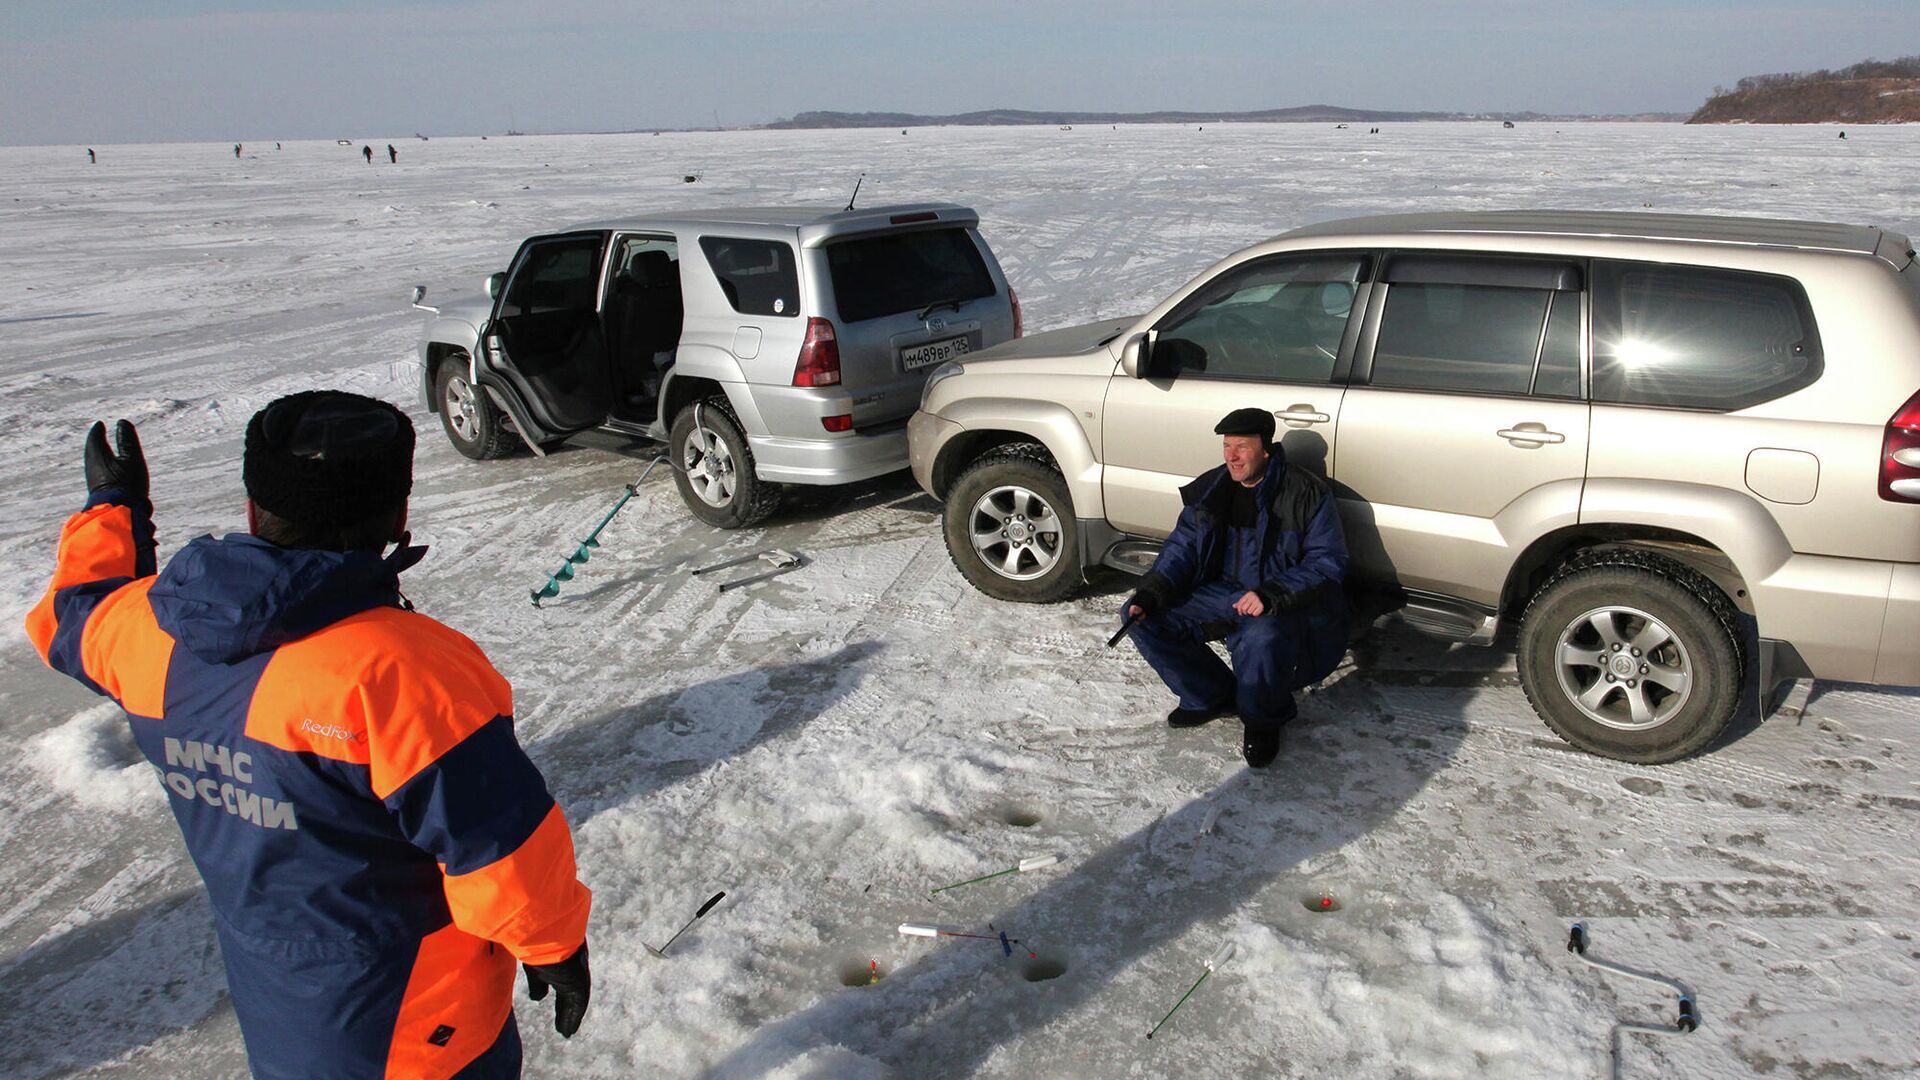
1299,555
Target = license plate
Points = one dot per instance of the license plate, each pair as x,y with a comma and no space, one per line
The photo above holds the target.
934,352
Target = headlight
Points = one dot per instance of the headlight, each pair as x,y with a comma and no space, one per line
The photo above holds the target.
945,371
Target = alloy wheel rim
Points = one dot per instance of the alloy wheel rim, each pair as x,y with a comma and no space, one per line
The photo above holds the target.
1623,668
708,465
1015,532
462,413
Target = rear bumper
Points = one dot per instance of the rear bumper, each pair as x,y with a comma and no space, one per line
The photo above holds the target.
843,459
1851,620
1899,663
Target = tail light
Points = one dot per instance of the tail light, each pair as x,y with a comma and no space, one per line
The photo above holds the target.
819,363
1019,324
843,422
1900,455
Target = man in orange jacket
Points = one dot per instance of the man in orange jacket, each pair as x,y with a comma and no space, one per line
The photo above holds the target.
378,849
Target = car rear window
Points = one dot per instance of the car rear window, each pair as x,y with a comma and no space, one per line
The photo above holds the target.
905,271
1699,338
758,276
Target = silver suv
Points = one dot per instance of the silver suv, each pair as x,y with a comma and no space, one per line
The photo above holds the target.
1683,452
763,346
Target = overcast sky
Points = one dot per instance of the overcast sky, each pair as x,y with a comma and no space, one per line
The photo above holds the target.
105,71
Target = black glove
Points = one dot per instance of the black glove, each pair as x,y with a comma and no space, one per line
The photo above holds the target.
572,986
125,471
1146,602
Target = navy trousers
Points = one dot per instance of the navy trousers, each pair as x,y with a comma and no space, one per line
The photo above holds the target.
1265,651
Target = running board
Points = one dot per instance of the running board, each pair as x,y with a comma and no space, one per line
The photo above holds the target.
1446,617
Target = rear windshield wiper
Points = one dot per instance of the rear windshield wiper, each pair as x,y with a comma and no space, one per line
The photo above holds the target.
937,305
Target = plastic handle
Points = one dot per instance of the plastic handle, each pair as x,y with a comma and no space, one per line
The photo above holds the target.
1221,956
916,930
708,906
1036,862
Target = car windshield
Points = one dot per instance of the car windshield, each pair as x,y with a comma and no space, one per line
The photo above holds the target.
895,272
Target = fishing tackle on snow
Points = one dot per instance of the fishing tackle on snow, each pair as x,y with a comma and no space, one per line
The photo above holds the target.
1219,958
922,930
661,952
780,559
584,549
1686,1024
1031,862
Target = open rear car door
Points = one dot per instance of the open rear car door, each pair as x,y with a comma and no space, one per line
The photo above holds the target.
544,352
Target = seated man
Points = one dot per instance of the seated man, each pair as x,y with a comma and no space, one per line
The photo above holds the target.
1257,559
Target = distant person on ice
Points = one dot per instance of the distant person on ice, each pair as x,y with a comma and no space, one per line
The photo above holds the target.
377,847
393,156
367,152
90,158
1257,558
236,151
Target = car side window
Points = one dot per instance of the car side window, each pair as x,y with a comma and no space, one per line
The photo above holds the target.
561,274
1699,337
758,276
1278,319
1475,325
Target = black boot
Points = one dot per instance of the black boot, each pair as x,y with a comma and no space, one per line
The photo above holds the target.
1186,718
1260,745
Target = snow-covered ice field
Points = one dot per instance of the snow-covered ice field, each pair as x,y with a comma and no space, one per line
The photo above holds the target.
829,745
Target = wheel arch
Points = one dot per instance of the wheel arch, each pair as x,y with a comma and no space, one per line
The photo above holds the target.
438,355
1548,553
991,423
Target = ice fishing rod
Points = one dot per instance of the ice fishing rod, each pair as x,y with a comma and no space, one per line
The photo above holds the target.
1132,621
1688,1021
1031,862
1220,956
921,930
584,549
661,952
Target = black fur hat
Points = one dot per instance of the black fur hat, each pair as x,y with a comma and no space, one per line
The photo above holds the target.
327,458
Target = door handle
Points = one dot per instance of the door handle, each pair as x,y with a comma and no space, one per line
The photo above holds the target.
1302,415
1530,432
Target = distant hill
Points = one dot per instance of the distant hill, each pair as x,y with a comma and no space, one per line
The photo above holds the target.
1304,114
1870,92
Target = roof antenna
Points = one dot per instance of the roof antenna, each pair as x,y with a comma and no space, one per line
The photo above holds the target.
856,191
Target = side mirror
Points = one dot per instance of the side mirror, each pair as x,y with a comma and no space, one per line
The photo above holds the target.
1136,356
494,283
419,293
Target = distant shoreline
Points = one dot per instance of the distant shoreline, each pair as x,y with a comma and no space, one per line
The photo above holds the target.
1299,114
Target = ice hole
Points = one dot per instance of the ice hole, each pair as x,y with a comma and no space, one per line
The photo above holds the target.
1321,901
1041,969
861,973
1020,817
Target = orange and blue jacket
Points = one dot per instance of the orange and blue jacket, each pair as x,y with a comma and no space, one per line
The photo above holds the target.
377,846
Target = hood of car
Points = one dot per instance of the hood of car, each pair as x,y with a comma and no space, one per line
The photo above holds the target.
1070,345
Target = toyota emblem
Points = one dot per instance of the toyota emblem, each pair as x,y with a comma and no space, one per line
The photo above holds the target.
936,324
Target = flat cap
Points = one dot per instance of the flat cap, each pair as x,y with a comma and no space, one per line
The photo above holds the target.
1248,421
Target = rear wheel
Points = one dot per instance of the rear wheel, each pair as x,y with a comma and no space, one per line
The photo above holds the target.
1010,528
1631,656
713,467
471,422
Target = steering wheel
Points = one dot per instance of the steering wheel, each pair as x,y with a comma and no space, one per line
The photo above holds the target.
1241,342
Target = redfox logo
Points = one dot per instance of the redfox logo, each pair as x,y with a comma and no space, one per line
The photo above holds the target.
331,731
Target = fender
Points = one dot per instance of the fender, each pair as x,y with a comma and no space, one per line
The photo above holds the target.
1732,522
450,331
694,360
1048,423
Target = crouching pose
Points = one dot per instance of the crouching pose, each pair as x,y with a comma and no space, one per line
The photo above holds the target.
1256,559
377,847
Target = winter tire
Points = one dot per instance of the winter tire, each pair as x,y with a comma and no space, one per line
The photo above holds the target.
1632,656
1010,527
472,424
713,467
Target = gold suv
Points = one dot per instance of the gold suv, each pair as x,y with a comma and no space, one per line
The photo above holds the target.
1683,452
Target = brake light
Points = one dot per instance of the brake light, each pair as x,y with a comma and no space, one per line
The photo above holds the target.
1900,455
910,219
843,422
819,363
1019,324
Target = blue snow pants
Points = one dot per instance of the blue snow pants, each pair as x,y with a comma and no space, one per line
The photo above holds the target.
1265,651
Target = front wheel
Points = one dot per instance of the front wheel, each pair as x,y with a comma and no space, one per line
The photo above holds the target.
1631,656
1010,528
713,467
473,425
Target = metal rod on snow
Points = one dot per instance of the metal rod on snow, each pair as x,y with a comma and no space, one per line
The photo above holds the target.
583,550
1032,862
661,952
921,930
1220,957
1689,1018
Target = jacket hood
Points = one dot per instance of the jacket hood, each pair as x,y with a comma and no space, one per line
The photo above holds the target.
232,597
